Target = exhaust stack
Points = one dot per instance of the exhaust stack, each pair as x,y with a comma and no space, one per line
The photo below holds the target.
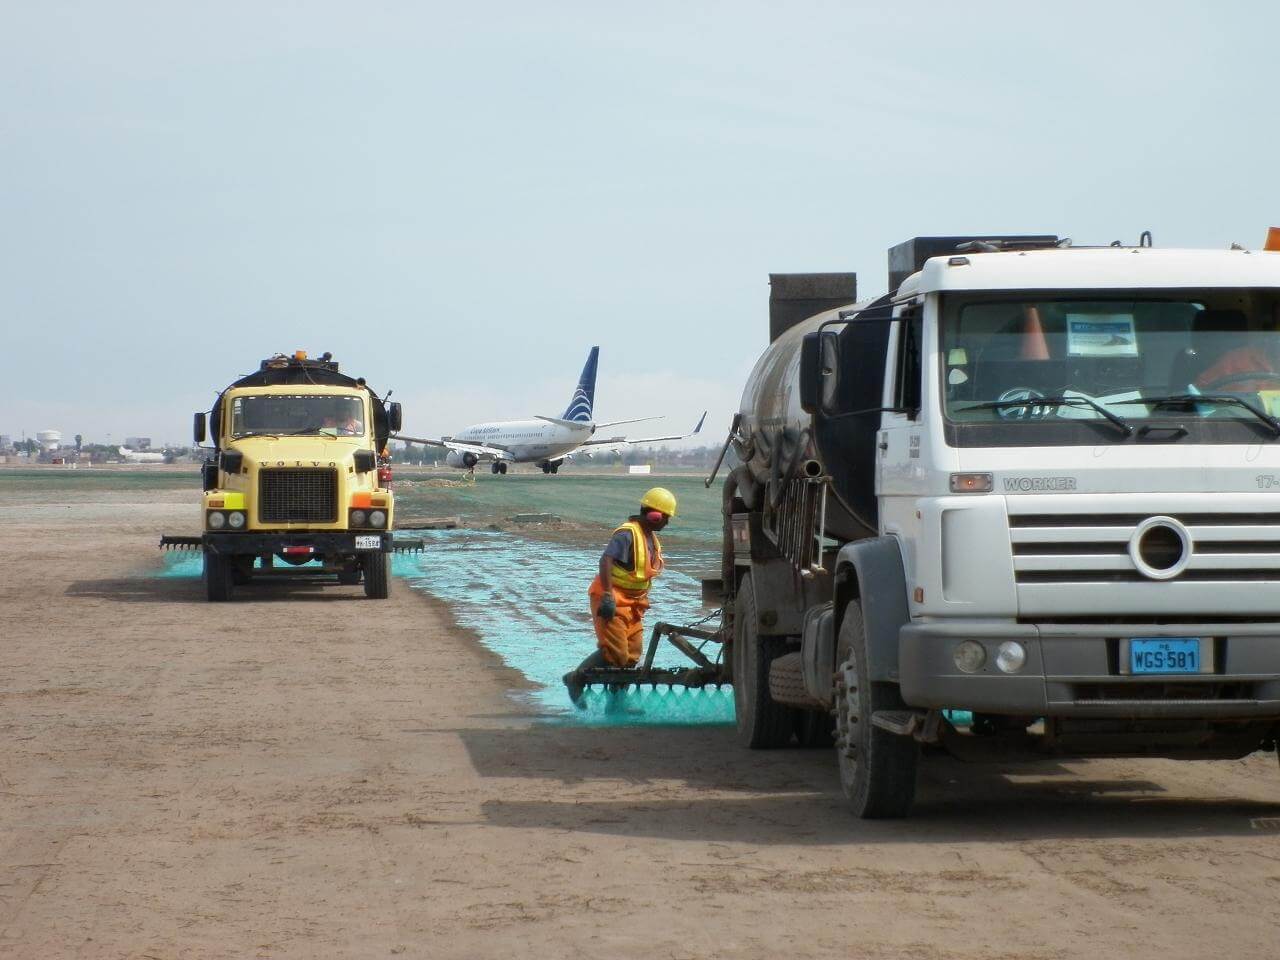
797,296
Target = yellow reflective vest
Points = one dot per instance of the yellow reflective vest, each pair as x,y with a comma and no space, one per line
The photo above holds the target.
639,576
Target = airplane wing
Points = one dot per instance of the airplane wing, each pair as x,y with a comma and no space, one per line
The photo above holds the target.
617,443
485,451
580,423
562,423
618,423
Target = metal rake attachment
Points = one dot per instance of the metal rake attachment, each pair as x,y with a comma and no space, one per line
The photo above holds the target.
704,672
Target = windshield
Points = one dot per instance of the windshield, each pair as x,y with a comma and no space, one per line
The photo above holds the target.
297,415
1138,358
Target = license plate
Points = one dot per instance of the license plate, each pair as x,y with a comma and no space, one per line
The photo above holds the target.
1149,655
369,542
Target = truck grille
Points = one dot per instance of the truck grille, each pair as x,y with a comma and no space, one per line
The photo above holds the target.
301,495
1080,566
1094,548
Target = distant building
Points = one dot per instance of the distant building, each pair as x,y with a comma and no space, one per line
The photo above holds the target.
6,443
138,443
49,440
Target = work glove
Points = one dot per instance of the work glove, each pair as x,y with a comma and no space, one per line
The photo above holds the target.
608,608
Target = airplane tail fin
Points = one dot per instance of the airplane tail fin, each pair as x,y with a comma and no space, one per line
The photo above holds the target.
579,409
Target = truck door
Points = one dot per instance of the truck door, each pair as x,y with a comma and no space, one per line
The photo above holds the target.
899,444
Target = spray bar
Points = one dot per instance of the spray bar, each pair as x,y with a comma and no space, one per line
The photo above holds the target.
398,545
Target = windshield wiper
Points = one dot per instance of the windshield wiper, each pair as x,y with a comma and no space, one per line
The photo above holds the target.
1186,399
1074,401
301,433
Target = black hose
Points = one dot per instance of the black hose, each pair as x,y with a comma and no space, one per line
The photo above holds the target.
727,564
748,487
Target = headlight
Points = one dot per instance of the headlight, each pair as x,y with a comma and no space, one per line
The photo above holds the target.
969,656
1011,656
216,520
235,520
358,518
377,519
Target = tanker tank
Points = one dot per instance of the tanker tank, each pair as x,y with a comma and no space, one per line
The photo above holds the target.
777,440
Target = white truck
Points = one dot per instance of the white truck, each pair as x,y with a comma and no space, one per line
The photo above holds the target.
1027,503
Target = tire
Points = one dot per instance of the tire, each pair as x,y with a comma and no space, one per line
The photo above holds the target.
762,724
877,768
219,573
377,576
786,682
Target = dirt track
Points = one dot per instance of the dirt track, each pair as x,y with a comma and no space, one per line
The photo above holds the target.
309,774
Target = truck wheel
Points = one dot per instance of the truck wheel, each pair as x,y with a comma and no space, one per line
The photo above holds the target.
762,724
218,576
877,768
377,576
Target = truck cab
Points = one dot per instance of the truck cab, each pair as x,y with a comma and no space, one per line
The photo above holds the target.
1048,480
297,476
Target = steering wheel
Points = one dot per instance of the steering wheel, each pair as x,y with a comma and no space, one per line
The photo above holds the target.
1029,412
1248,376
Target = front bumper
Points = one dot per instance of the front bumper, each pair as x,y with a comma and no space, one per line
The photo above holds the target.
326,543
1073,670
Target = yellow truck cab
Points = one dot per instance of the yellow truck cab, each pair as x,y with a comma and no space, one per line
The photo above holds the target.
297,476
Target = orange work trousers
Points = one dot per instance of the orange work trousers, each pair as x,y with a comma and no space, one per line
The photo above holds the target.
621,639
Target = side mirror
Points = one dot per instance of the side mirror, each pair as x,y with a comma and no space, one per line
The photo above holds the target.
393,417
819,371
197,429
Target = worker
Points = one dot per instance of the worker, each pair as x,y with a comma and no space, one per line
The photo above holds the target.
619,595
1245,360
344,420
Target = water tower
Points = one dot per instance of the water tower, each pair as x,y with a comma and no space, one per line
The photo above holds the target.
49,440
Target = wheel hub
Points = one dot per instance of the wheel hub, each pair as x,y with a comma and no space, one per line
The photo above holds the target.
848,710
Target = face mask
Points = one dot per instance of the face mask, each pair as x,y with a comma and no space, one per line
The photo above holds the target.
654,517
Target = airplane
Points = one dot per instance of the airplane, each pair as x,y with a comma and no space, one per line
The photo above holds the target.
546,441
140,456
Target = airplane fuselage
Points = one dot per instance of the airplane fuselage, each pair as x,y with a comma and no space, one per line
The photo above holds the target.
527,441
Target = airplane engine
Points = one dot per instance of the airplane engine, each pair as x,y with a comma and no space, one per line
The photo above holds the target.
461,460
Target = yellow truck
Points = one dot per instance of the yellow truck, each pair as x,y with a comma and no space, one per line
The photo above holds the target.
297,484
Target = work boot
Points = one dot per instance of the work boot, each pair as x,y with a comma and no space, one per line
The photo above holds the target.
575,683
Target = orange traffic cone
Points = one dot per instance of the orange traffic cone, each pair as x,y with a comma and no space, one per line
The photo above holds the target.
1273,239
1034,344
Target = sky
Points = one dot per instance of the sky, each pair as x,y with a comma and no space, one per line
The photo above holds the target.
458,200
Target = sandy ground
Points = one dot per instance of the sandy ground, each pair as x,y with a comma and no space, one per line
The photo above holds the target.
310,774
